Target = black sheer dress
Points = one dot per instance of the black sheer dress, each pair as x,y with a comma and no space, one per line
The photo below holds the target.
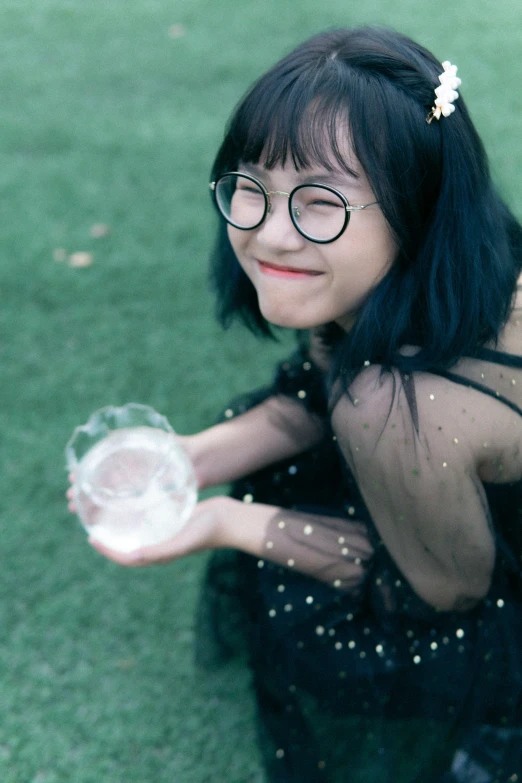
384,627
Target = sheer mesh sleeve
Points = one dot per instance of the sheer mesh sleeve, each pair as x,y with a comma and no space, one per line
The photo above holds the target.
330,549
411,446
334,550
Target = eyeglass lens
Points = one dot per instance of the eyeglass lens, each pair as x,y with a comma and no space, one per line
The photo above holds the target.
318,212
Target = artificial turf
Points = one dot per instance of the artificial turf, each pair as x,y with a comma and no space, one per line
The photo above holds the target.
110,113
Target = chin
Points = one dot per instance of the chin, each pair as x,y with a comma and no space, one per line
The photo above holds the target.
289,320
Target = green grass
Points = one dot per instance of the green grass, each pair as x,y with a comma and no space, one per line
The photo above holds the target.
105,118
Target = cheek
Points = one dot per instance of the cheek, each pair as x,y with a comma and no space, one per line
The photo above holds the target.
237,239
377,249
369,253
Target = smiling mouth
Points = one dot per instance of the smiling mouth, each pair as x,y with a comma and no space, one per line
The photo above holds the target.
291,272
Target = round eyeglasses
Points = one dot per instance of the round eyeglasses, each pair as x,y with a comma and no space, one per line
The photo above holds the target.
319,212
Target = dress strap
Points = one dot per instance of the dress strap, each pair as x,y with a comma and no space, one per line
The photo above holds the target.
499,357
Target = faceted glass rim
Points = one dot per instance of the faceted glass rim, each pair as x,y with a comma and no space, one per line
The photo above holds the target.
109,419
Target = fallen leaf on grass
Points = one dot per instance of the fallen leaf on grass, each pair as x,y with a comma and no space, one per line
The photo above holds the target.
99,230
81,259
177,31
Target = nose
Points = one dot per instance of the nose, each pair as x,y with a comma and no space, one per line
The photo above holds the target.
277,232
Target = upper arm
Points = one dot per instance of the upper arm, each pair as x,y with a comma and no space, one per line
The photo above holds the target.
420,484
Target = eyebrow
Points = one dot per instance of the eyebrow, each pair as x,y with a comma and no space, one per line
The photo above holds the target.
326,178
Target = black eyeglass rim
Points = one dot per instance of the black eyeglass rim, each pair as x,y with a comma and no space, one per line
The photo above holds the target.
338,193
252,179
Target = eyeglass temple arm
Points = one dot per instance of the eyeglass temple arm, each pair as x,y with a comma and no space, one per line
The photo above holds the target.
359,207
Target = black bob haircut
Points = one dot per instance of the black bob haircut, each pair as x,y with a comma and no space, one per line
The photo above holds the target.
460,249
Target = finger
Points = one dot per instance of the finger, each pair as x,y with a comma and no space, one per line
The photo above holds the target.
70,493
129,559
145,556
162,553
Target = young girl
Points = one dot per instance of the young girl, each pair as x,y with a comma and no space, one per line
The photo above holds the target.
371,550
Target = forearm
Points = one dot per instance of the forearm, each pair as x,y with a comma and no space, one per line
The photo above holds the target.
278,428
331,549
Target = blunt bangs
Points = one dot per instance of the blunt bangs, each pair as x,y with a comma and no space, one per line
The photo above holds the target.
291,119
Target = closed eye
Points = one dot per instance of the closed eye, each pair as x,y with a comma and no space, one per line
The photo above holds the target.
323,203
246,189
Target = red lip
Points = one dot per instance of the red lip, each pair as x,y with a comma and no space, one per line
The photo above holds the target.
278,270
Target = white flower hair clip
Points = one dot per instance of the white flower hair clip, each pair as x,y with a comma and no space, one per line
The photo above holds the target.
446,93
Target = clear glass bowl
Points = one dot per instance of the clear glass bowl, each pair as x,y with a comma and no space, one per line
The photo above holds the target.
134,485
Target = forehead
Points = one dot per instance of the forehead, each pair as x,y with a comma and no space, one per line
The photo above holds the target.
331,161
315,135
335,156
287,177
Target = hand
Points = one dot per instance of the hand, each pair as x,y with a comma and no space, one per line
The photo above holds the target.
204,530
